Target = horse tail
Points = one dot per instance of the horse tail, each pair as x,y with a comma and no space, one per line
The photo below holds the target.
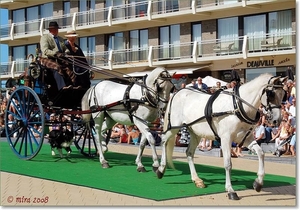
169,151
170,142
85,105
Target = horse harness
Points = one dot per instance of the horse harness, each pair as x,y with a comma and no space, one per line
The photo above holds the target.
149,98
238,109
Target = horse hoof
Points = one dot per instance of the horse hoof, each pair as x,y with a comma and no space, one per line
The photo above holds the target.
233,196
154,169
159,174
105,165
199,183
141,169
257,186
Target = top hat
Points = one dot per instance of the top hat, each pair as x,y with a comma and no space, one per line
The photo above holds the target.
53,25
71,33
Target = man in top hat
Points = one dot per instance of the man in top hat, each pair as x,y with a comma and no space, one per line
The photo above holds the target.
53,49
81,66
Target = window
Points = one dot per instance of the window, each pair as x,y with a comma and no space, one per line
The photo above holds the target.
67,13
196,36
168,6
139,45
32,14
253,73
87,44
19,57
118,12
139,10
228,32
31,49
116,42
87,9
255,29
19,16
170,42
46,10
280,25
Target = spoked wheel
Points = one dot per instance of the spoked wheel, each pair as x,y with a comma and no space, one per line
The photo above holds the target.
85,141
24,110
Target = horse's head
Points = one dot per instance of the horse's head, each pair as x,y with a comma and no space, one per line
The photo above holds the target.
160,80
272,97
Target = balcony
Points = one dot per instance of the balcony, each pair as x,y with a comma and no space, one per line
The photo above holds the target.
130,16
189,53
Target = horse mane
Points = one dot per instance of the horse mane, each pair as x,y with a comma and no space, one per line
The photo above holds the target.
153,76
260,81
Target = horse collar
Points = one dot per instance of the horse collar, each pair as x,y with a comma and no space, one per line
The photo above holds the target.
148,97
240,113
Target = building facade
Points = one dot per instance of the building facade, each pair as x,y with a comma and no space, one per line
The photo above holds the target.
190,37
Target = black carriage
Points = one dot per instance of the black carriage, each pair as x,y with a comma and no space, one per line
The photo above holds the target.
32,102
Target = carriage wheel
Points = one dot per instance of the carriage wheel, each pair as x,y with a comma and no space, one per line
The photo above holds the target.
25,107
85,141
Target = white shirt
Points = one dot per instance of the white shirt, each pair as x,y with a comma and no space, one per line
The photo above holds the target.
292,110
259,130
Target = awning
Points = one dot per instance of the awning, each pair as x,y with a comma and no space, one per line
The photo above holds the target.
177,71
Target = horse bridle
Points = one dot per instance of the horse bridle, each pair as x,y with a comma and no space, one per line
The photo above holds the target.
269,90
164,79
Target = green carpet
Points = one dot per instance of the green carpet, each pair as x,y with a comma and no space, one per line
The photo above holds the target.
123,178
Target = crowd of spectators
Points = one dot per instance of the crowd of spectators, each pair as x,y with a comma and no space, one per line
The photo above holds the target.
283,135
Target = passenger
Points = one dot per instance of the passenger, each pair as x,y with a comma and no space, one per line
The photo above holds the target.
81,66
53,49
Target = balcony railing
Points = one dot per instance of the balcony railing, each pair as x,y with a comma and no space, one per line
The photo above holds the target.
189,52
111,15
272,41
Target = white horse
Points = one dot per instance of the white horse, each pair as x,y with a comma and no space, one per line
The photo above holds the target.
138,103
229,115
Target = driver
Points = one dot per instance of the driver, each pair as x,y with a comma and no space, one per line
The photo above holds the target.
53,48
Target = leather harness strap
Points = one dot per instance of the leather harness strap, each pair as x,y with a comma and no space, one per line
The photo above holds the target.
208,112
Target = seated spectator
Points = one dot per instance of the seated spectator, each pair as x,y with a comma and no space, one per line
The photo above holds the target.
205,144
155,128
12,124
284,132
54,122
133,135
117,131
35,130
182,138
236,151
3,106
157,137
2,126
259,132
293,144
